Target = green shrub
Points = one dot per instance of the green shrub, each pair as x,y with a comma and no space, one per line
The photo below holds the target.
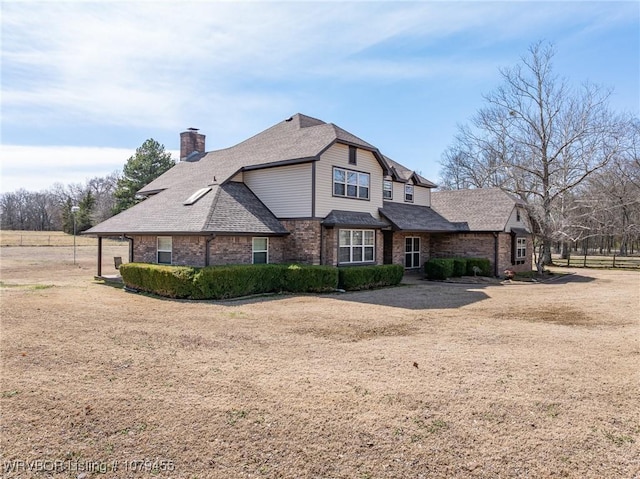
369,277
482,263
439,268
310,279
221,282
459,267
169,281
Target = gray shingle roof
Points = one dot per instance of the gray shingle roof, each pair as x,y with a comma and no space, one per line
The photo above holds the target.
238,209
415,218
486,209
228,207
352,219
402,173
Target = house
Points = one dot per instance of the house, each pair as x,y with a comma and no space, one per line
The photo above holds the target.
301,191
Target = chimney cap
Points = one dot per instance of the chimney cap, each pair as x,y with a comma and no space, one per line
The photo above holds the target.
193,129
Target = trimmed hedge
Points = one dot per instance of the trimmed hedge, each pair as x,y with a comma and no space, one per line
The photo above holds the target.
169,281
459,267
443,268
482,263
221,282
369,277
439,268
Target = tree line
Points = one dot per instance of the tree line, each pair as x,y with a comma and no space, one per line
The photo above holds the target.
97,199
573,161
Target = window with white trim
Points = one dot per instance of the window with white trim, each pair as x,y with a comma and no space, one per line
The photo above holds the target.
408,193
387,190
412,252
521,249
260,254
165,249
356,246
350,184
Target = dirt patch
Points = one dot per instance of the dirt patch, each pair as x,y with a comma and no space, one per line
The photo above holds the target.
349,332
429,380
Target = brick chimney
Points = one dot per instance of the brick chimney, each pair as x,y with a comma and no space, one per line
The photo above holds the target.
191,141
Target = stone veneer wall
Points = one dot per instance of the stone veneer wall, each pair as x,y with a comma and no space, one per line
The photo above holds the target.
399,247
187,250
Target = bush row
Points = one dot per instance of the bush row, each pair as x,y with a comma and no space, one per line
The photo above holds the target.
443,268
221,282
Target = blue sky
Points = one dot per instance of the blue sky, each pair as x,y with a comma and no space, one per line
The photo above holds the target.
85,83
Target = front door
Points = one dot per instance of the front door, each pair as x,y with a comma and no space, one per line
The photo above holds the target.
411,252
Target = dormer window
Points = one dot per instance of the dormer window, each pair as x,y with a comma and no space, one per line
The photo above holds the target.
408,193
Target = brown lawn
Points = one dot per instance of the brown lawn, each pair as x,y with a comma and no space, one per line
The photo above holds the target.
424,380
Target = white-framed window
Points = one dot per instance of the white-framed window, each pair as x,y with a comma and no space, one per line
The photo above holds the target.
260,254
411,252
408,193
356,246
165,249
387,190
521,249
350,184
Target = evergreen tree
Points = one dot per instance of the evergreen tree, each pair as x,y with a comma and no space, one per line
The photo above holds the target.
149,162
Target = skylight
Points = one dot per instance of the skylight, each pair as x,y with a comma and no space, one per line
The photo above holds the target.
196,196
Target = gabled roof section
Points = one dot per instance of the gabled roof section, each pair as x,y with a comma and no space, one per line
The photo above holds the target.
404,174
483,209
238,210
407,217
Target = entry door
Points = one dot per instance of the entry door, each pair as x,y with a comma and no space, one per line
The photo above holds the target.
411,252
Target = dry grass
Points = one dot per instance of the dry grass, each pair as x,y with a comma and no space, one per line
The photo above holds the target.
425,380
46,238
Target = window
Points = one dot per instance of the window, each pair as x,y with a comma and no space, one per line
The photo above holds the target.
521,250
260,251
351,184
408,193
387,190
196,196
165,249
352,155
411,252
356,246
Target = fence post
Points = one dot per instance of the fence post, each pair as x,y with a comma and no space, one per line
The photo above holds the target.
614,260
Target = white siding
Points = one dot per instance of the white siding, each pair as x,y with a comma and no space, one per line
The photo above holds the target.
238,177
338,155
285,190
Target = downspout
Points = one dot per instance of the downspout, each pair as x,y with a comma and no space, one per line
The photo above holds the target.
130,240
322,230
206,247
99,256
495,254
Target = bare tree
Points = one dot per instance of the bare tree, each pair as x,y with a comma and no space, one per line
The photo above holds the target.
538,138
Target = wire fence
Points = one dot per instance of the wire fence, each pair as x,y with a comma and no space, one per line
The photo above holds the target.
46,238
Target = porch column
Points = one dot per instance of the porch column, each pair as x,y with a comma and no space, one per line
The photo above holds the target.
99,255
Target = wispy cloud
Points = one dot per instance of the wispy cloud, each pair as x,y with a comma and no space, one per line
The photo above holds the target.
133,64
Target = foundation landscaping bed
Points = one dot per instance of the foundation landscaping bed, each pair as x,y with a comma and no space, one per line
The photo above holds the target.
223,282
